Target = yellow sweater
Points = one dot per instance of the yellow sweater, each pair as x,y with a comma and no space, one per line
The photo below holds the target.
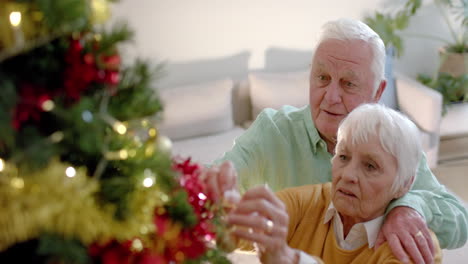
306,207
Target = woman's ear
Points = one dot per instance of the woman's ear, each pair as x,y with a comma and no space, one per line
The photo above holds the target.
405,189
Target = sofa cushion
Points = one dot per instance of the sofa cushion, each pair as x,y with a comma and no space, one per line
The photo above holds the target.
206,149
277,89
196,110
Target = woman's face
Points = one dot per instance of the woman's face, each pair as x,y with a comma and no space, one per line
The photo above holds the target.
362,177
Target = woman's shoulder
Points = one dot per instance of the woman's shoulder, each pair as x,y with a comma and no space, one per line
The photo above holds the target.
306,197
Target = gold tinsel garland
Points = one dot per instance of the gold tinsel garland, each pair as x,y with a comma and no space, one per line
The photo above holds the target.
50,201
22,25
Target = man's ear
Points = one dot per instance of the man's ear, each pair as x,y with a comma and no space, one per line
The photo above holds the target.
380,90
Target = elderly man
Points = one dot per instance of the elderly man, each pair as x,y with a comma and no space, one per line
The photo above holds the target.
376,161
293,147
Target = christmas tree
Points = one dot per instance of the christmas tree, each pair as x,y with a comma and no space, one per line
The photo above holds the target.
85,176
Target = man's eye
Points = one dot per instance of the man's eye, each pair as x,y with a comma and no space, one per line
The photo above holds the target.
323,78
349,84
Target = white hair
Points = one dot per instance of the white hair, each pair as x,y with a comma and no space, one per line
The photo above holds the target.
397,134
350,29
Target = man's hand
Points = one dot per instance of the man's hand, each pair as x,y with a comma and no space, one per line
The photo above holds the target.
220,179
407,234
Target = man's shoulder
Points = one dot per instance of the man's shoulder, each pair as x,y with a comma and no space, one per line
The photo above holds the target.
285,115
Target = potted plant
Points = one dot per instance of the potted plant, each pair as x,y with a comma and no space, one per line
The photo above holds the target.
452,73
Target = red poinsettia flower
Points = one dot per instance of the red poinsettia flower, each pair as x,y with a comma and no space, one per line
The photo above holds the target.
30,106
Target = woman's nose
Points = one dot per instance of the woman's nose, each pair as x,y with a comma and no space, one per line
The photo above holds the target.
350,173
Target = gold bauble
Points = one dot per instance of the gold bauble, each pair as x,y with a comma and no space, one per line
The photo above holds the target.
164,144
100,11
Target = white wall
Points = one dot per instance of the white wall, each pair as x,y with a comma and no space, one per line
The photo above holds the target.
180,31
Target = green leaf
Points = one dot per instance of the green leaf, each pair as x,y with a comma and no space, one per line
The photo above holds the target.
413,5
67,15
401,20
59,249
180,209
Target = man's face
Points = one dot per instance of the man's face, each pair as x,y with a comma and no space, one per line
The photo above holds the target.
362,178
340,80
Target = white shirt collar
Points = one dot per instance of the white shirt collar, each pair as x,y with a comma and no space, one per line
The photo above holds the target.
360,233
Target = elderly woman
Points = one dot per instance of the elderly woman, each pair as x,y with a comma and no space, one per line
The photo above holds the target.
375,161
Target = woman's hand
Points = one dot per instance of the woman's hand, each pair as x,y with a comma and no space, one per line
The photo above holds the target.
261,217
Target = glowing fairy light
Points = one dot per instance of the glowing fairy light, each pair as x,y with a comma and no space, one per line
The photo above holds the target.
2,165
202,196
152,132
17,183
123,154
70,172
15,18
148,182
56,137
48,105
120,128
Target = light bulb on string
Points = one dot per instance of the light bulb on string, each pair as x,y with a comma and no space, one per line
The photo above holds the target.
70,172
87,116
119,127
48,105
15,18
152,132
17,183
56,136
149,178
148,182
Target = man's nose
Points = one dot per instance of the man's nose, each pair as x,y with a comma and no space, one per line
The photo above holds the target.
333,93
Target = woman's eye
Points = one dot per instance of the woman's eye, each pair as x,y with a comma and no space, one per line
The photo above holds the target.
343,157
370,167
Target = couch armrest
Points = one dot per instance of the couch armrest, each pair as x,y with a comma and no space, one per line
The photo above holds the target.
241,103
421,103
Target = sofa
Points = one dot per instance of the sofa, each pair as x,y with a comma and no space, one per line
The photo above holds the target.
203,120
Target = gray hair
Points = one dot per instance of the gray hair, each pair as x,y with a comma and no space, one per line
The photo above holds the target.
350,29
397,134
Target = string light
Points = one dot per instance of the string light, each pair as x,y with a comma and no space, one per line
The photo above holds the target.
123,154
149,178
15,18
48,105
202,196
148,182
70,172
119,128
152,132
2,165
137,245
132,153
17,183
56,137
87,116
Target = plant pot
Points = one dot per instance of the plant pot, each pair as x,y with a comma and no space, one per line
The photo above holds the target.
454,64
453,123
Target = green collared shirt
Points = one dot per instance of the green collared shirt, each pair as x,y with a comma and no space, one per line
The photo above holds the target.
284,149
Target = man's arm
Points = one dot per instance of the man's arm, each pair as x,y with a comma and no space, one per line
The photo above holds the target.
442,211
248,155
